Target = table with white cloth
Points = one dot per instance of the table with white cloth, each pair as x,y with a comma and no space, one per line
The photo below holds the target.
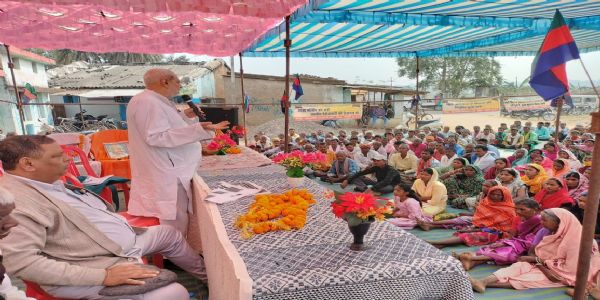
316,261
248,158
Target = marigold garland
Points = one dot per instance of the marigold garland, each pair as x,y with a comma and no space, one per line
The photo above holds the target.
273,212
233,150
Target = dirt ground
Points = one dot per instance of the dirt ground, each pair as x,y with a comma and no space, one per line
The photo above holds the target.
469,120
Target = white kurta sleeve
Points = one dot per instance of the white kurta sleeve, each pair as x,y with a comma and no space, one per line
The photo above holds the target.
154,126
190,121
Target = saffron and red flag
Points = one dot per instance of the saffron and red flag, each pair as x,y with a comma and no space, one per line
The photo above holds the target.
284,99
297,87
548,72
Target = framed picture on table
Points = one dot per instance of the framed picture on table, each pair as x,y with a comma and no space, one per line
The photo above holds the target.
116,150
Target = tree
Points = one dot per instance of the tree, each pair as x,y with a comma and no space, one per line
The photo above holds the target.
181,59
67,56
515,88
452,75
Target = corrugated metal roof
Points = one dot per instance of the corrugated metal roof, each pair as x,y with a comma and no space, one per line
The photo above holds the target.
99,93
304,78
384,89
124,77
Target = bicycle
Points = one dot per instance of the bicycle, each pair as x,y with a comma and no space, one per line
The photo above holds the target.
424,117
66,125
546,114
423,114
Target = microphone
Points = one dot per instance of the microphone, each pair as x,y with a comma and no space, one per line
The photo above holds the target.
187,99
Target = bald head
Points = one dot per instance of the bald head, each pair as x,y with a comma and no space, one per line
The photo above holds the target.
154,76
162,81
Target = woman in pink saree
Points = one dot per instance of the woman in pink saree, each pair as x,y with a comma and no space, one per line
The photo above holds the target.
507,251
553,262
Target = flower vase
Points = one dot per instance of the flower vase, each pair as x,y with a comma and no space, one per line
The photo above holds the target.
358,232
296,182
235,138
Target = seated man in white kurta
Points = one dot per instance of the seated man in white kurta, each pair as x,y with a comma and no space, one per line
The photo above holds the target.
164,149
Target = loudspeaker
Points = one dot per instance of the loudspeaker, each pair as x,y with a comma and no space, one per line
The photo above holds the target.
218,114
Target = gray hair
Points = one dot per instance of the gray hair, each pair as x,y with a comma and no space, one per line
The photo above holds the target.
529,203
6,197
548,212
155,75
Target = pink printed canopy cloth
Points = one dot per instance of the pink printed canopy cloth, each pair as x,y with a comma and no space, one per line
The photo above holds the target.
213,27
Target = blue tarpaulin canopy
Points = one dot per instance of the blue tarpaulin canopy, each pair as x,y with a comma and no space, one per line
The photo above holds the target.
392,28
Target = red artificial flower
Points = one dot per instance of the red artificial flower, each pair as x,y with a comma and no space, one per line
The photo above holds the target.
358,201
213,146
303,158
338,210
361,205
221,142
240,131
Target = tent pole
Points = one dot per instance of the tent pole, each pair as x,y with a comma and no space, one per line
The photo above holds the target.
559,106
418,97
243,99
287,44
591,208
11,66
80,112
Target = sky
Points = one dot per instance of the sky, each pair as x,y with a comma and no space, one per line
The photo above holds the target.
383,71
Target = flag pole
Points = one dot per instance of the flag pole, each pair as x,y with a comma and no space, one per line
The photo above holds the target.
418,98
559,105
287,43
243,100
11,66
590,215
589,77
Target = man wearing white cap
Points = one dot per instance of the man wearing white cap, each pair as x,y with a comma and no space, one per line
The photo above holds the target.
364,157
386,177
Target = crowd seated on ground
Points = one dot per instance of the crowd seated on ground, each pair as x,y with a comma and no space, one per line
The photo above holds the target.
462,159
523,193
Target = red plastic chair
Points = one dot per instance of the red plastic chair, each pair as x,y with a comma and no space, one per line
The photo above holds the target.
117,167
34,290
74,151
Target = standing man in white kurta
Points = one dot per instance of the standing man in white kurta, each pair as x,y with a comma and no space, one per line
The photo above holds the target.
164,150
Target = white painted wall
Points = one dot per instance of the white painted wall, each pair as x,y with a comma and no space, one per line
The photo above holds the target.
205,86
112,109
23,75
25,72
